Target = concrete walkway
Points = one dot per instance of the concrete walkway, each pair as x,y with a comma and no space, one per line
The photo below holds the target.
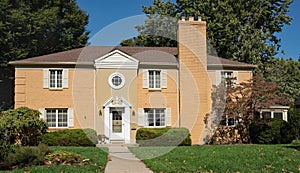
122,160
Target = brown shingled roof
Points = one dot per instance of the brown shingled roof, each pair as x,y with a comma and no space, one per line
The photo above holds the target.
214,61
90,53
146,55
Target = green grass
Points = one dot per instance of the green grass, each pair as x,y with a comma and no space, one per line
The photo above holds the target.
233,158
98,156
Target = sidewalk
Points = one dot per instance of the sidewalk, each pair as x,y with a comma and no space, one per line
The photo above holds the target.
122,160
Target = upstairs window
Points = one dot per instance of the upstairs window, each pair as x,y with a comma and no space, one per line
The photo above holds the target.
154,79
228,78
55,78
116,80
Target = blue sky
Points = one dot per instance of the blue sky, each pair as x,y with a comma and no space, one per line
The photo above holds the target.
111,21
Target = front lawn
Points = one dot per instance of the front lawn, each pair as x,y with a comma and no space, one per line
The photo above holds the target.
97,156
232,158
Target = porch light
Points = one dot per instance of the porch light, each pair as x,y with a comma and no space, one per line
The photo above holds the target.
133,113
100,113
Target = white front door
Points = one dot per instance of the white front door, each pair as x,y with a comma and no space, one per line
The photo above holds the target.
116,119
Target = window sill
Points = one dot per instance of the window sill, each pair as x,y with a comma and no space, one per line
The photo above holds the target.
155,127
57,128
56,89
154,89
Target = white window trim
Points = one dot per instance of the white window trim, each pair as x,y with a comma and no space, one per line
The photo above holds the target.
62,78
160,78
56,118
223,78
154,118
112,76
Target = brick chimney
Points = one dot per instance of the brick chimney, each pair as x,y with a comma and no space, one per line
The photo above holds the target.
195,87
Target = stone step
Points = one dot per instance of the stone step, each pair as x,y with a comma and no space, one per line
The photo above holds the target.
117,143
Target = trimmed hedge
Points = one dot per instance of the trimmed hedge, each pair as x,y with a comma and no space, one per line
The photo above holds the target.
71,137
163,137
270,131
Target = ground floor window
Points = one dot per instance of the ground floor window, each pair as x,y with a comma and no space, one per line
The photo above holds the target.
278,115
155,117
57,118
229,121
266,115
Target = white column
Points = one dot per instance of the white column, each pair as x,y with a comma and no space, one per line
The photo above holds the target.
272,114
106,124
127,125
285,115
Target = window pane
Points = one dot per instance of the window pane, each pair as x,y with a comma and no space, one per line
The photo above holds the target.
151,79
278,115
116,80
62,118
157,79
51,117
59,78
266,115
150,117
52,78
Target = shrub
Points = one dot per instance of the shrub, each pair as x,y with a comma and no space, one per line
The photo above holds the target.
22,126
71,137
26,156
5,149
225,135
270,131
163,137
65,157
296,142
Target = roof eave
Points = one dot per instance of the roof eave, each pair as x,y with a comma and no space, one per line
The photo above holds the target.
18,63
232,66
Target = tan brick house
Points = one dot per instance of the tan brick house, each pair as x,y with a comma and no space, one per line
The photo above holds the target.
116,90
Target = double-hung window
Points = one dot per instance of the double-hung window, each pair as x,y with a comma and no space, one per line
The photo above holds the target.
56,78
155,117
154,79
57,118
227,78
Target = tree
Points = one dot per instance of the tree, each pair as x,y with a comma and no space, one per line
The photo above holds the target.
286,73
239,30
32,28
244,100
159,29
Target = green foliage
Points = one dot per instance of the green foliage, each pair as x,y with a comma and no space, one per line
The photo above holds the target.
33,28
241,30
26,156
65,157
294,121
5,149
296,142
71,137
286,73
40,27
159,29
22,126
270,131
163,137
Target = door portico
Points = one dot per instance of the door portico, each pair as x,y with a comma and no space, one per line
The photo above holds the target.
117,120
